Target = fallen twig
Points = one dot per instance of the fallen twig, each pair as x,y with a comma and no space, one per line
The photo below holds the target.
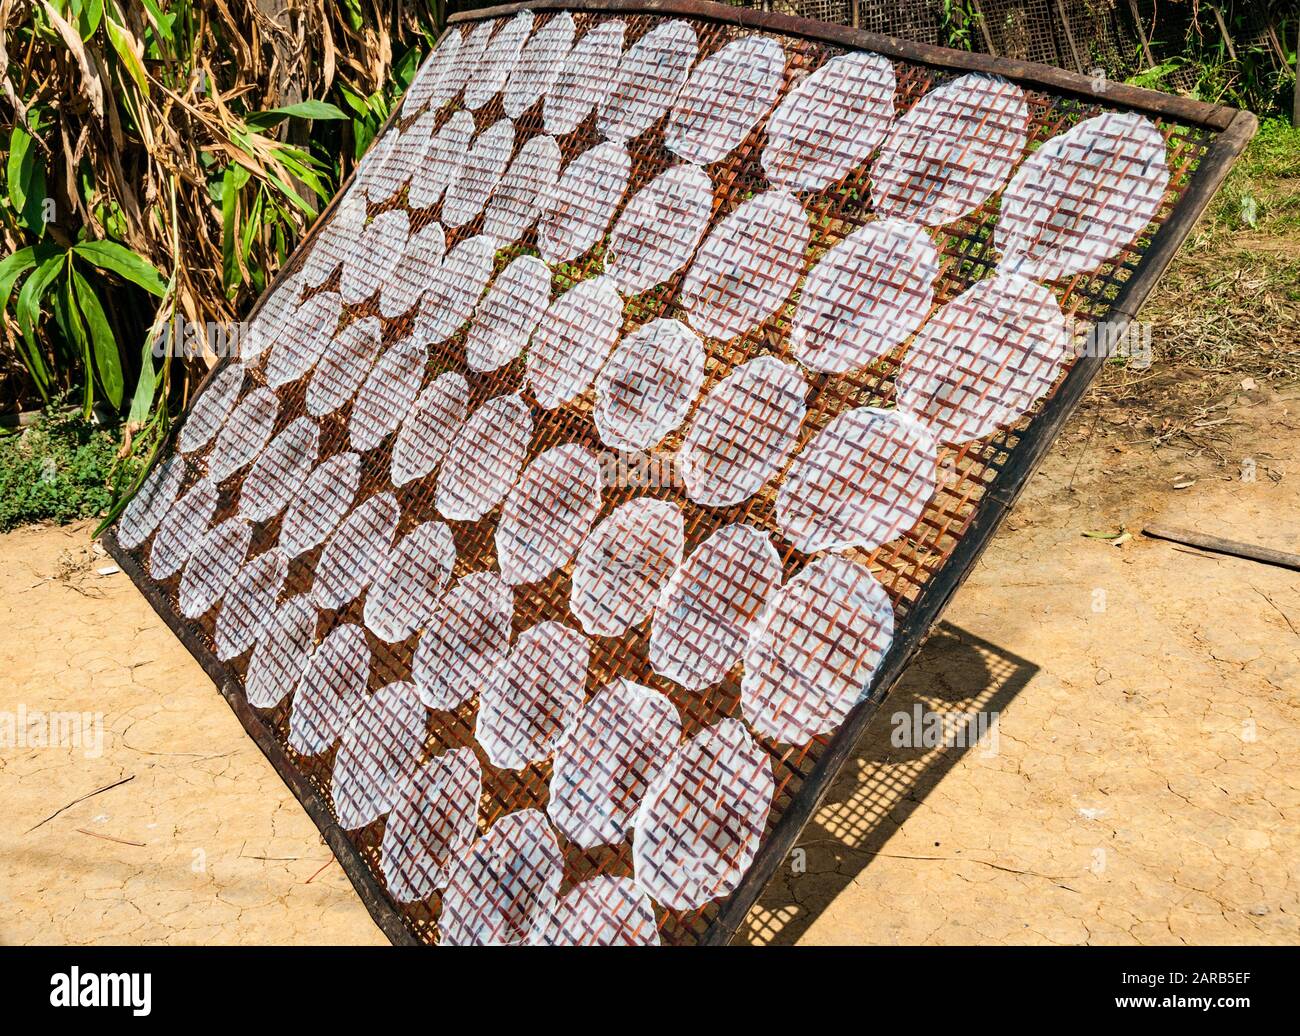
1285,618
88,795
110,838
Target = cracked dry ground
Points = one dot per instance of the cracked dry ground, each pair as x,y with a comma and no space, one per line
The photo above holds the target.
1144,787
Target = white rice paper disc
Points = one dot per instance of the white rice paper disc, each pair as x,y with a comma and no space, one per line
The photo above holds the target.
419,266
485,459
590,74
523,191
330,691
605,759
245,434
250,603
498,60
658,231
380,744
572,341
355,552
410,581
379,249
548,513
211,409
985,358
602,911
304,338
388,394
374,175
403,150
284,647
952,151
181,529
650,76
864,297
429,429
216,561
274,312
433,820
743,432
702,818
1083,197
703,617
748,266
811,658
648,385
724,99
624,564
507,314
464,642
473,48
335,240
862,481
498,888
438,80
344,366
326,496
442,160
480,172
540,62
830,123
461,279
531,697
280,471
583,202
151,502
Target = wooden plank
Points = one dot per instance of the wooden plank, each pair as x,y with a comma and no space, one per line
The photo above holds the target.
1047,77
1219,545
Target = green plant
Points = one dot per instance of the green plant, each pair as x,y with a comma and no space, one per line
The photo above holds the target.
162,159
60,469
958,20
1239,53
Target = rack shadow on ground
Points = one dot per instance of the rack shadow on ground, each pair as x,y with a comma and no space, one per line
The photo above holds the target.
883,782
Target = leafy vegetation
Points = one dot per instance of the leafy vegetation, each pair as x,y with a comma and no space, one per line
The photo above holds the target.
162,159
1229,307
61,468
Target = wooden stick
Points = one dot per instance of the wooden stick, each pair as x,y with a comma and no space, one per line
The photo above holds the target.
1264,555
1142,35
1069,35
109,838
88,795
1059,80
1223,31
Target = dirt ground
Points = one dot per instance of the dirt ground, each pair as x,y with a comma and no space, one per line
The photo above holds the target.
1141,783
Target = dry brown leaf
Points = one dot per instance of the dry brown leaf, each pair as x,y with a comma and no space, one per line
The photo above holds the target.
90,82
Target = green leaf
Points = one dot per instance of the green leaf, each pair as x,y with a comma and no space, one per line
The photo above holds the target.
109,255
89,16
355,100
145,388
122,42
235,177
252,225
108,361
76,330
162,23
310,109
14,266
29,299
26,173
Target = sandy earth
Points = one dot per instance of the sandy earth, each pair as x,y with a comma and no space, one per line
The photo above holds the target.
1141,783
